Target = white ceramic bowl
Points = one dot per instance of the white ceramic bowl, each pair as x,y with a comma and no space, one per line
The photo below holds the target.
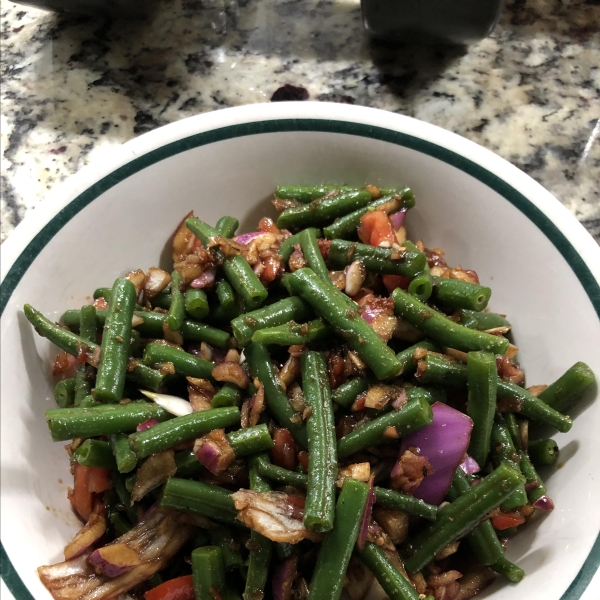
543,267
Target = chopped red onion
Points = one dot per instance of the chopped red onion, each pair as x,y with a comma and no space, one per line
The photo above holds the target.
205,280
397,218
444,442
470,466
244,238
544,503
88,535
146,424
114,560
283,577
366,518
400,400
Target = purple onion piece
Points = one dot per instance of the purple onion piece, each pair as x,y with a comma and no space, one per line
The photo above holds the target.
209,456
544,503
363,530
397,218
470,466
245,238
146,424
444,442
114,560
283,577
205,280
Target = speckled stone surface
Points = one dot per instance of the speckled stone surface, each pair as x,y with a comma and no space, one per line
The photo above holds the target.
74,87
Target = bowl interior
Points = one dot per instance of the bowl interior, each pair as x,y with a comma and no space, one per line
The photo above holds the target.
127,227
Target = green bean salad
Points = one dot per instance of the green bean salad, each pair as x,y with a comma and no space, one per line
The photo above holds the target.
317,405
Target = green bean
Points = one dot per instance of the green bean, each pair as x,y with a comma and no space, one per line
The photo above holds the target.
421,285
412,416
337,545
225,294
287,246
279,313
124,496
125,458
308,193
568,389
196,303
439,371
88,331
387,261
89,402
322,455
187,464
408,363
135,345
71,423
208,500
323,211
454,294
482,382
276,399
293,333
394,584
209,572
512,425
184,363
102,292
94,453
239,273
482,540
261,548
180,429
250,440
346,226
279,474
503,566
146,377
162,299
64,392
223,538
543,452
461,515
119,523
406,503
481,320
227,226
312,254
504,451
443,330
346,394
116,339
228,395
337,309
177,308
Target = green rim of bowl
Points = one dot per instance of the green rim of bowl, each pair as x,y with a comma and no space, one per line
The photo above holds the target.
521,202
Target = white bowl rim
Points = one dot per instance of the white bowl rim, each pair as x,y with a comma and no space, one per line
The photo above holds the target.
535,202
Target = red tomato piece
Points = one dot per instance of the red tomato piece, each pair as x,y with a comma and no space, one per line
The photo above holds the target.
392,282
181,588
283,453
375,227
507,520
303,459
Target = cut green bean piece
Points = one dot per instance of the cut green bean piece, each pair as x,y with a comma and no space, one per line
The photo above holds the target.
125,457
454,294
239,273
124,496
162,299
83,384
276,399
196,303
308,193
116,339
481,320
224,539
394,584
89,402
250,440
543,452
146,377
312,254
408,363
482,381
322,452
71,423
437,370
227,226
94,453
346,394
503,566
279,474
337,545
208,500
184,363
287,246
187,464
177,308
568,389
441,329
209,572
406,503
85,374
64,392
512,425
461,515
386,261
228,395
421,285
102,292
340,312
293,333
225,294
412,416
279,313
180,429
535,486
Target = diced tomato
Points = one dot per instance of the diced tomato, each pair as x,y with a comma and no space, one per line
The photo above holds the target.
65,366
87,481
392,282
283,452
375,227
181,588
506,520
303,459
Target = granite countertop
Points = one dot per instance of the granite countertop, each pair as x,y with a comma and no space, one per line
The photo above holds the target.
74,87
